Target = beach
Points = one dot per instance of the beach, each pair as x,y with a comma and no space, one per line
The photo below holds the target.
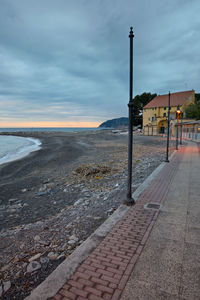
54,198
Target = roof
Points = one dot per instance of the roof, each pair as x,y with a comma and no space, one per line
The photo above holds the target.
175,99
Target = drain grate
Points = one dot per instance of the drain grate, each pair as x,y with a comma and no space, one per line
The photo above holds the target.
152,206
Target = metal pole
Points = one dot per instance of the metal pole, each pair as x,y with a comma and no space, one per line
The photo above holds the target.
181,130
168,124
130,200
177,132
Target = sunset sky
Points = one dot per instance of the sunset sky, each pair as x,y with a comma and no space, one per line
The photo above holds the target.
66,62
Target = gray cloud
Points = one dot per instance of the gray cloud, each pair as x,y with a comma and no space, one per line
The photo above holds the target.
68,60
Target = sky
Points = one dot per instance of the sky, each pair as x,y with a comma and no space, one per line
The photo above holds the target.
66,62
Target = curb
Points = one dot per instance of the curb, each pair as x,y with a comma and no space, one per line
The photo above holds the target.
55,281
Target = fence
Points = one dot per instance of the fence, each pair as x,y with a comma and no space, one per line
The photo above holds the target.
191,131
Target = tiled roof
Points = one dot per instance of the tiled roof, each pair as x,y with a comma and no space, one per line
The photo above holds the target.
175,99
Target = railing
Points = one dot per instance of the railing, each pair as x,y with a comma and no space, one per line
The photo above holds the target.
191,136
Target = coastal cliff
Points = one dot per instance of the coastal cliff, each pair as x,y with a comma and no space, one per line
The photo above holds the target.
115,123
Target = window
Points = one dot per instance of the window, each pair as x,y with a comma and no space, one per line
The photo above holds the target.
164,115
165,108
153,119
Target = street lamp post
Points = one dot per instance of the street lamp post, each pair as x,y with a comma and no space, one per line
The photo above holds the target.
181,129
177,117
168,124
130,200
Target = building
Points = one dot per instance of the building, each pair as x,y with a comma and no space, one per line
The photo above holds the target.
155,113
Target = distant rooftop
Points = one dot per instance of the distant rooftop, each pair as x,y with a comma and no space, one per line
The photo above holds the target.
178,98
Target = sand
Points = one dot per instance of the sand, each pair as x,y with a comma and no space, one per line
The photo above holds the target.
61,152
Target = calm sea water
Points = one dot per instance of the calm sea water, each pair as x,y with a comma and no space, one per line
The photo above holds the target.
14,147
48,129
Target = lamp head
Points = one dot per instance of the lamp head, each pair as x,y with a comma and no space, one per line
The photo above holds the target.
131,34
178,111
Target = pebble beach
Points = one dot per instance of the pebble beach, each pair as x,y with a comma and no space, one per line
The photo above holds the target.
53,199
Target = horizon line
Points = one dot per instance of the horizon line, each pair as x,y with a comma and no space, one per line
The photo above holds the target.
43,124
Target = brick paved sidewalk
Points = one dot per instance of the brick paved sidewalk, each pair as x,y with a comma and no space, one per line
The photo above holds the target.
104,274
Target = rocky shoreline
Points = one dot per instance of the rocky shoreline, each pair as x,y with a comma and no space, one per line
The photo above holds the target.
45,219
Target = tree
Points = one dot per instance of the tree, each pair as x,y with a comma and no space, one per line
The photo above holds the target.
138,103
192,111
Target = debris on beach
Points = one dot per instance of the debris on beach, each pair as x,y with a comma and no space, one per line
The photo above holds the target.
92,171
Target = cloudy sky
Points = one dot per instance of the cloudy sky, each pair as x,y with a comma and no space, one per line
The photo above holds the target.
66,62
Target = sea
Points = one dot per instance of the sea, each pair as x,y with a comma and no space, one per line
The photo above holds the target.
16,147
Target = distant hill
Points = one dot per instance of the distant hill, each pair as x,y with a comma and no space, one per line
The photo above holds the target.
115,123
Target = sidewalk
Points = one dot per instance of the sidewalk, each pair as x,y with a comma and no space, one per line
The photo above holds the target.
169,266
135,262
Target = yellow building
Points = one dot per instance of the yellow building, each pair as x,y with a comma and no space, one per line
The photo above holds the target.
155,113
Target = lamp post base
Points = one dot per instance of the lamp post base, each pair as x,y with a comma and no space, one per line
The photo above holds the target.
167,160
129,202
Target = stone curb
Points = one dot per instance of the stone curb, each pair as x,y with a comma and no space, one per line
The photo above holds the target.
55,281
